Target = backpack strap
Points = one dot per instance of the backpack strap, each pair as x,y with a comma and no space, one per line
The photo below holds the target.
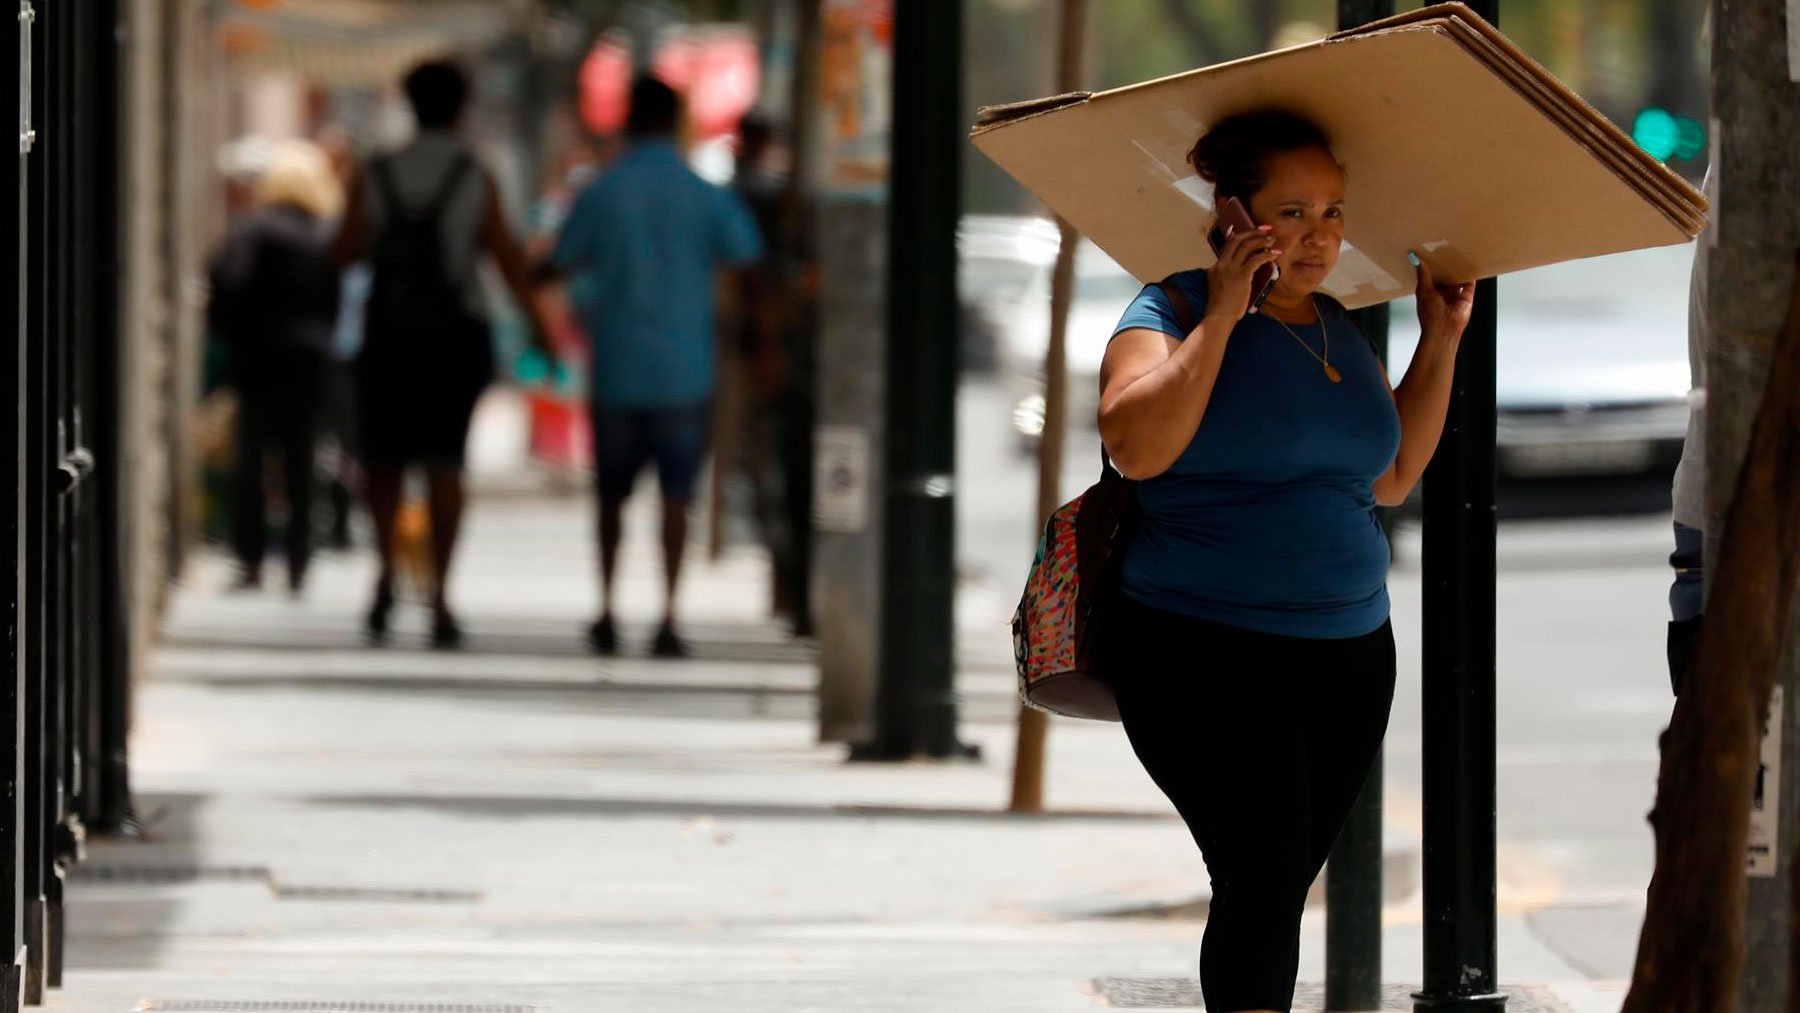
383,170
453,178
1178,301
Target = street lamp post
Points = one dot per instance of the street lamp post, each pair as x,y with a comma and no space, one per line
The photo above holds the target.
1459,676
915,695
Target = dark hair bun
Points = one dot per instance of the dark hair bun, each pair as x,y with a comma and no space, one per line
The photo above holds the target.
1233,154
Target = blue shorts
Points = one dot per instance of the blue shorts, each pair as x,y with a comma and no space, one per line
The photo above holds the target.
626,439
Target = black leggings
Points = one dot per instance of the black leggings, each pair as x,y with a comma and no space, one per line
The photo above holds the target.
1263,743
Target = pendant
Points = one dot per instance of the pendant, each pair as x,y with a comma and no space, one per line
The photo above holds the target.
1332,374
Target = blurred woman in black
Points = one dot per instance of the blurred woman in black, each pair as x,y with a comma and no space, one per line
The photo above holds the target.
274,305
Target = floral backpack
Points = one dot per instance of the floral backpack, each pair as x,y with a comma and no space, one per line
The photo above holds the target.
1059,629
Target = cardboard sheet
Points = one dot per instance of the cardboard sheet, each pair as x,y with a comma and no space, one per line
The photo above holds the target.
1454,144
1535,80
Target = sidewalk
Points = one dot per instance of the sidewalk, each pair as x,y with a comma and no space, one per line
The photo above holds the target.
521,825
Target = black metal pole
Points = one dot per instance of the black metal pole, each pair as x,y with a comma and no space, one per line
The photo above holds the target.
1459,675
14,819
798,215
1459,527
1353,878
110,779
915,699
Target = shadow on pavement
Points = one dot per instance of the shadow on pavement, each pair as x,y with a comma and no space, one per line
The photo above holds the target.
525,807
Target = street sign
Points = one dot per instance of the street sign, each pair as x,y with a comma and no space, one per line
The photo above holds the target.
841,479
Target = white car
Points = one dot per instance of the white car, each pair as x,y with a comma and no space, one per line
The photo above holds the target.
999,258
1591,369
1102,291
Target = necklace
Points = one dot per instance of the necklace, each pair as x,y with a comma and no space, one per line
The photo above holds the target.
1331,372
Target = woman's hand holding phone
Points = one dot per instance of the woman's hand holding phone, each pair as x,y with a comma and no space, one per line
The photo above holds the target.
1229,283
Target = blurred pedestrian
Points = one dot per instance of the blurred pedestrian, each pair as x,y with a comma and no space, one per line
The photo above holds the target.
650,237
274,305
773,443
1254,659
1687,593
423,217
338,422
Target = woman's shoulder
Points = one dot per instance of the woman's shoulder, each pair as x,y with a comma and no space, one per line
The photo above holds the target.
1153,309
1192,285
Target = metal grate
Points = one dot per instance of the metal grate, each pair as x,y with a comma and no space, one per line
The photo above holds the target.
304,1006
1184,993
377,894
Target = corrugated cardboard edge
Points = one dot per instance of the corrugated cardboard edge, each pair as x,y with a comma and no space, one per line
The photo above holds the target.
989,117
1680,190
1588,129
1429,12
1664,189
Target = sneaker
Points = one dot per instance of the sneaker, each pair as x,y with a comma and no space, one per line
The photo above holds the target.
602,638
668,644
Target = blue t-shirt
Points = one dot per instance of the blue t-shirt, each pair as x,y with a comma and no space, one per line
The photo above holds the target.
1267,520
645,241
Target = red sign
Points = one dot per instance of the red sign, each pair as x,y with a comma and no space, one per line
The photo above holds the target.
717,70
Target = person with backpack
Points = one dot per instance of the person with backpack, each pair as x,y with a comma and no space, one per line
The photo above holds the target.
273,306
423,217
1252,657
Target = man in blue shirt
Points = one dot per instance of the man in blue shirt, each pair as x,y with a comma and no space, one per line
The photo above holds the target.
648,238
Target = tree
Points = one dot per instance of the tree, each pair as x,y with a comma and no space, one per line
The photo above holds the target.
1693,946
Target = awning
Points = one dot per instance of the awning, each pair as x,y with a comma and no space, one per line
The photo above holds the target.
356,42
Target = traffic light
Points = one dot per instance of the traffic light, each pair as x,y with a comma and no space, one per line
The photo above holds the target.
1665,135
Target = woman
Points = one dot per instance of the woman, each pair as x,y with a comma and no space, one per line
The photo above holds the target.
1255,664
423,217
274,304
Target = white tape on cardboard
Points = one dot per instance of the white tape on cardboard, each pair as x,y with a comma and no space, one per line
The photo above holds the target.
1355,269
1162,168
1198,190
1765,808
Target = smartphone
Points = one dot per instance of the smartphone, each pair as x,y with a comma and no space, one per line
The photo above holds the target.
1233,219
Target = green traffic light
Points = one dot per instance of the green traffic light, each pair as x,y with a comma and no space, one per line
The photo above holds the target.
1657,132
1690,138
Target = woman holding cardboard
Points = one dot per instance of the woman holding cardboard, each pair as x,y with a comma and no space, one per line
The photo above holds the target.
1255,661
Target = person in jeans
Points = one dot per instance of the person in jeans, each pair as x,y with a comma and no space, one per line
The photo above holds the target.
424,217
274,305
1687,592
648,239
1253,658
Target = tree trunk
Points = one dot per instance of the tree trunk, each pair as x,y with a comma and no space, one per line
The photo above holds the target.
1692,947
1716,939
